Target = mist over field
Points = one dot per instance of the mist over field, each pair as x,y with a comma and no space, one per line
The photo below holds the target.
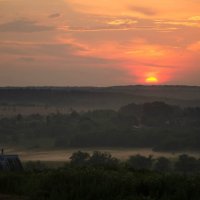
134,130
160,118
47,100
99,100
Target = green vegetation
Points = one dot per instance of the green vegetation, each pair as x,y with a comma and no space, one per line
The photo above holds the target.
98,97
151,125
101,177
183,164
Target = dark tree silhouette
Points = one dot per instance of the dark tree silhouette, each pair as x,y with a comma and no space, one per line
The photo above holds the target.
80,158
187,164
139,162
162,164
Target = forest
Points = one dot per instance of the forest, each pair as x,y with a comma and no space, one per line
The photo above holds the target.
99,97
155,125
159,125
101,176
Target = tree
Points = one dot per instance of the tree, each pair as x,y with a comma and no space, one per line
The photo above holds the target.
162,164
157,113
102,159
79,158
139,162
187,164
130,114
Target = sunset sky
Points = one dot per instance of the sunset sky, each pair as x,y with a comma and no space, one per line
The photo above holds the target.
99,42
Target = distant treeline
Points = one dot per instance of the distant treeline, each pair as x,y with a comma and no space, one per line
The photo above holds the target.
99,97
88,98
101,177
184,163
154,125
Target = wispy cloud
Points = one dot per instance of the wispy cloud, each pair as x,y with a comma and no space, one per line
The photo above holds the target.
178,23
55,15
195,18
85,36
27,59
118,22
24,26
42,49
143,10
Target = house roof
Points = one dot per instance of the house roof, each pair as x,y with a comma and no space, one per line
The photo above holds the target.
10,163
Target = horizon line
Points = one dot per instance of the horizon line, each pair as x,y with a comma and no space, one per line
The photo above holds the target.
109,86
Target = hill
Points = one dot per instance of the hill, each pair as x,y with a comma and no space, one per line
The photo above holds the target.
45,100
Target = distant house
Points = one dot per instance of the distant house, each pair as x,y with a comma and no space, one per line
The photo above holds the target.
10,162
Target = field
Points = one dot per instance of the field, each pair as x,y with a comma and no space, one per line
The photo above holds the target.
9,111
63,155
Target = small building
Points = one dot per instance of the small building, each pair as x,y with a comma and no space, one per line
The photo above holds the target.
10,162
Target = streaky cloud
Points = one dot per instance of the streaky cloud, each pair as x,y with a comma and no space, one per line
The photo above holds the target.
24,26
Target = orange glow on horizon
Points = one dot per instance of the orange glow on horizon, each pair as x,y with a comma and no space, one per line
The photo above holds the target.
98,43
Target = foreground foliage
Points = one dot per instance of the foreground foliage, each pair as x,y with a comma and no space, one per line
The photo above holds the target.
88,183
102,177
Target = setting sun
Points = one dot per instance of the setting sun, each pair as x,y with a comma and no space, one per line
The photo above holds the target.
151,79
